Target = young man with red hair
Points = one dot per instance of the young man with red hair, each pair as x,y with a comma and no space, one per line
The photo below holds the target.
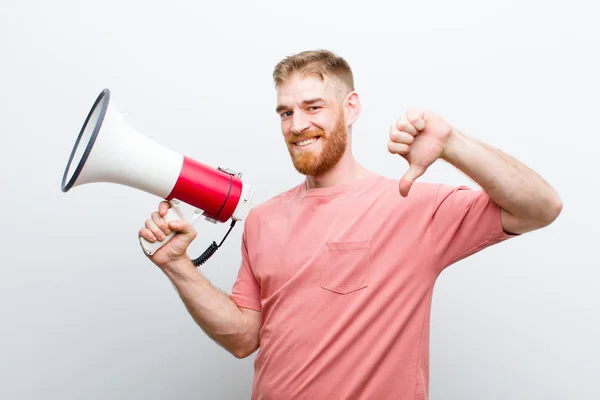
337,273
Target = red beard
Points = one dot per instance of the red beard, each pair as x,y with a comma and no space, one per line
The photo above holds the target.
315,162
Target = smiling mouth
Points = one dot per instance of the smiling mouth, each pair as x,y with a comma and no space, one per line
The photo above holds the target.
307,142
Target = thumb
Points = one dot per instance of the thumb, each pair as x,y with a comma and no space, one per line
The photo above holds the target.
414,172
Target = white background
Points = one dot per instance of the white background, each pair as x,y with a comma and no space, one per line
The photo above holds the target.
84,315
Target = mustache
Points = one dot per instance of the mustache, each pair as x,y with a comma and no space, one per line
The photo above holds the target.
306,135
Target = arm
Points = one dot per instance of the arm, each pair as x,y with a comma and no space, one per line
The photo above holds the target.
527,202
233,328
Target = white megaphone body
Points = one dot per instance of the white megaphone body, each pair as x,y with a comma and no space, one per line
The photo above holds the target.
108,149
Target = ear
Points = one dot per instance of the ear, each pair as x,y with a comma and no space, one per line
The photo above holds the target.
351,107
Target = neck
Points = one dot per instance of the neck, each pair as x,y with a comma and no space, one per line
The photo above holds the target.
345,171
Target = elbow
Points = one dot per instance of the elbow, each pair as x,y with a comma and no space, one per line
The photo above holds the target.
245,346
539,216
558,207
241,352
552,211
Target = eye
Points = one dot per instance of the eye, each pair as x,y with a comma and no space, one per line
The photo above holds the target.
285,114
313,108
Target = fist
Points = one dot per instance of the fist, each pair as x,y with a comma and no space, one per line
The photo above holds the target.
157,227
420,137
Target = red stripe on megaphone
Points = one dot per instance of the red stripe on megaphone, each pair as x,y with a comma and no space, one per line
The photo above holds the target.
215,192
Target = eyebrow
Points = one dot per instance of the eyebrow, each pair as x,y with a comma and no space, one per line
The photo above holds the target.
307,102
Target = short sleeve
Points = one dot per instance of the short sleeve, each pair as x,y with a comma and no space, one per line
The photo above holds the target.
465,221
246,290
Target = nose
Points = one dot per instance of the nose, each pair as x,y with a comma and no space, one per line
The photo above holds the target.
299,123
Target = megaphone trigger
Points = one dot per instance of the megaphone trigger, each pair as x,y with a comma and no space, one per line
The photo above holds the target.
178,211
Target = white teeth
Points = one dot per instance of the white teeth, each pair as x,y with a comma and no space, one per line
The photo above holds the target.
306,142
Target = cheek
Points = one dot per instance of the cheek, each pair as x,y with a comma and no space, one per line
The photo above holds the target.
285,129
324,121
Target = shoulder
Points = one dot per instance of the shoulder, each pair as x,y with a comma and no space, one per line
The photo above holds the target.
271,206
421,192
426,198
429,191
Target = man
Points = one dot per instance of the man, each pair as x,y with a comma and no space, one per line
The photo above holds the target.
337,273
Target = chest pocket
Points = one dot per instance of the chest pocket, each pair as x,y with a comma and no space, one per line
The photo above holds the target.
345,266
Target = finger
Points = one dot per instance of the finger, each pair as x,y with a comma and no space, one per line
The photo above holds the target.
401,137
151,226
163,207
413,173
403,125
147,234
160,222
398,148
416,119
184,227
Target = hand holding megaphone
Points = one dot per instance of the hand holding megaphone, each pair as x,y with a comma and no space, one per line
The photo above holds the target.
108,149
158,229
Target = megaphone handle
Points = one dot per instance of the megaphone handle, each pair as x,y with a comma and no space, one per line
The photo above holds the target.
178,210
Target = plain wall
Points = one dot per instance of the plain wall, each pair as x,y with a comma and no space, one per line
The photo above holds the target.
84,314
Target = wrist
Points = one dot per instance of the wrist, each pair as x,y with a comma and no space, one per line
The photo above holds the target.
456,142
180,269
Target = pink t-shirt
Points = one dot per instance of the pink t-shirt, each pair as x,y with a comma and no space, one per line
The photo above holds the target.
343,277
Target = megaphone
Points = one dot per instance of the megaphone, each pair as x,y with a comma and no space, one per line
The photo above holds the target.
108,149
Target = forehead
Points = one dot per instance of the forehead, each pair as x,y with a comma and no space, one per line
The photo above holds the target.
300,88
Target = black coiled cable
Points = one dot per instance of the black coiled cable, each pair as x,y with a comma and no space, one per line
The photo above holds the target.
211,249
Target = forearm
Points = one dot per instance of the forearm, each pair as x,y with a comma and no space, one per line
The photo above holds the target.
510,183
214,311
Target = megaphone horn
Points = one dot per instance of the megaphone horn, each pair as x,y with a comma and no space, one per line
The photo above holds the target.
108,149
